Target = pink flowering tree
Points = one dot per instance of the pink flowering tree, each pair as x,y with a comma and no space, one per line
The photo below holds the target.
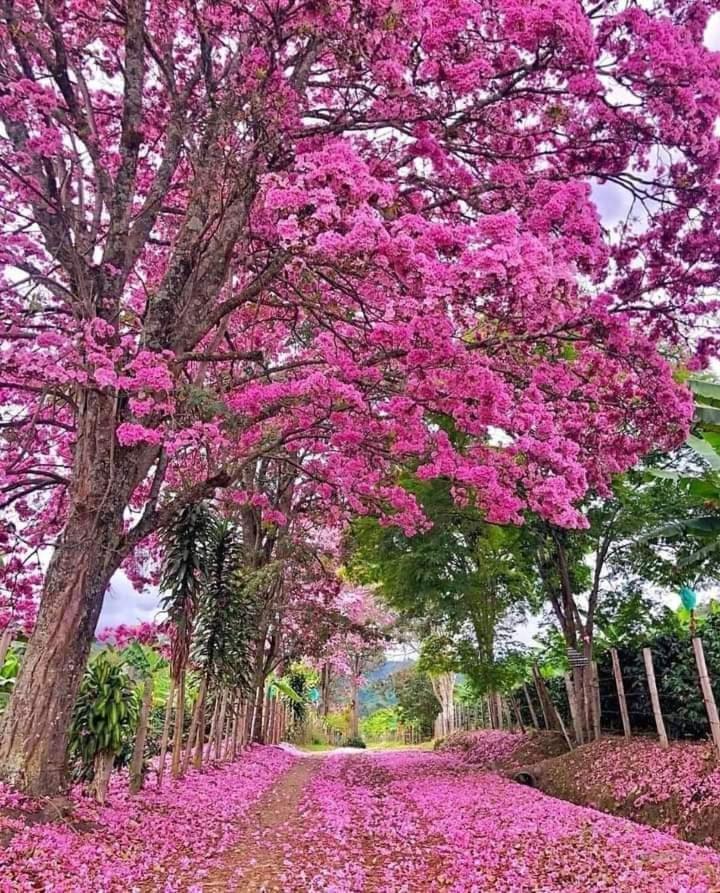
234,228
355,630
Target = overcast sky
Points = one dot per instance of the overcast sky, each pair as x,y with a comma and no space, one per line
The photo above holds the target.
123,604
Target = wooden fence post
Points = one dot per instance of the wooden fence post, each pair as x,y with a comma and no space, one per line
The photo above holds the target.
620,686
654,697
572,704
564,730
518,715
533,715
548,710
707,691
176,765
595,687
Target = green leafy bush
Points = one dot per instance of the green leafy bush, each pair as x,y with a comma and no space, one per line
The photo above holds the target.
9,672
380,724
354,742
105,716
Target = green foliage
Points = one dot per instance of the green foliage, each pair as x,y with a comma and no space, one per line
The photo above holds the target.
106,713
142,660
338,722
676,674
353,741
624,617
417,705
470,579
9,672
225,629
380,724
184,541
300,680
695,536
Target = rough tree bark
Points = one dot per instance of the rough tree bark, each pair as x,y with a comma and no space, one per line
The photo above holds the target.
5,643
179,723
103,770
36,724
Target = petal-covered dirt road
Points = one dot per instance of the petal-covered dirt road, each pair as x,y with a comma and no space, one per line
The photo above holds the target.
411,821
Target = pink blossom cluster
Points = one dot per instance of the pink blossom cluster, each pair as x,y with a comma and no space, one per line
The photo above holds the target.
122,635
147,841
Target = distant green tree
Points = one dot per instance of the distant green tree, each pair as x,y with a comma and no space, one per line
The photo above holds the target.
469,580
380,724
416,701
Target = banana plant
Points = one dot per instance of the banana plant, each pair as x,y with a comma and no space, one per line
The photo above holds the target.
281,687
704,528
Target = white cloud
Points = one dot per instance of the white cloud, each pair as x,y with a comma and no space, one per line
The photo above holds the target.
124,604
712,32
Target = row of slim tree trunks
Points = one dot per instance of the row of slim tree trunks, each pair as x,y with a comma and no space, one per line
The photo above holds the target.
234,723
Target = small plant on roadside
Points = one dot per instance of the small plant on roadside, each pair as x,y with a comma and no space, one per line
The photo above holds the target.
104,722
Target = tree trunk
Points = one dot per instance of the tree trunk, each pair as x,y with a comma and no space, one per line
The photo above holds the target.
232,716
546,705
266,718
239,736
103,770
36,724
179,725
215,719
354,707
531,709
325,690
192,733
165,733
137,775
258,720
574,710
220,736
518,715
201,719
443,686
501,712
5,643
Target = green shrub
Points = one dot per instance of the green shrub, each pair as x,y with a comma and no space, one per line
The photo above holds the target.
354,742
105,715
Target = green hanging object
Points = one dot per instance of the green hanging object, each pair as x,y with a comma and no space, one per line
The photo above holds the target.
688,597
